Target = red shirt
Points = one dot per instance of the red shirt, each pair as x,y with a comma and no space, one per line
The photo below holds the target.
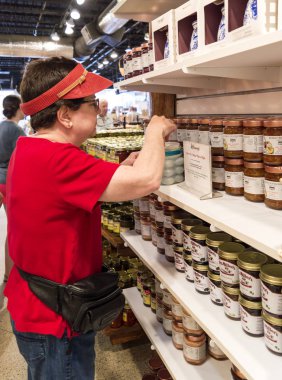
54,224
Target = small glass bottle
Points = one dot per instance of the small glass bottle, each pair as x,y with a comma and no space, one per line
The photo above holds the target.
194,37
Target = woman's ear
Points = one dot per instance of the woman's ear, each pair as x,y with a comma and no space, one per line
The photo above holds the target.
64,116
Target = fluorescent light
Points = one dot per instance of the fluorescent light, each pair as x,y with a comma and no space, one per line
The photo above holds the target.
114,55
55,36
80,2
100,65
68,30
70,23
105,62
75,14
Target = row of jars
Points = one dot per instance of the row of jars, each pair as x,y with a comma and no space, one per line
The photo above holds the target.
139,60
117,217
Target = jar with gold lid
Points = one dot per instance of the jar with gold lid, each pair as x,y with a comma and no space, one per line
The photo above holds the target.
176,220
218,173
233,139
228,256
177,334
198,235
168,210
272,333
152,210
272,142
201,280
215,288
253,140
213,241
271,289
167,298
273,187
128,316
234,176
194,351
254,181
186,226
231,304
251,318
216,137
204,131
192,130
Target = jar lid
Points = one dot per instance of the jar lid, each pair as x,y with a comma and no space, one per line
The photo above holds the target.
199,232
234,161
272,274
204,121
178,249
178,326
231,291
138,48
173,152
169,206
230,250
155,363
233,123
253,123
178,216
216,122
187,224
213,276
194,121
270,319
214,239
253,165
200,267
273,169
251,260
250,304
274,123
217,159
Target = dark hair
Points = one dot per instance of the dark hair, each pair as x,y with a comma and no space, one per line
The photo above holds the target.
39,76
11,104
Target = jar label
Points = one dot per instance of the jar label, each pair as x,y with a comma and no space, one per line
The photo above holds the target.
167,324
177,235
218,175
194,353
231,307
179,262
169,252
204,137
189,323
249,285
167,221
176,309
147,297
215,293
189,272
167,298
192,135
129,67
253,185
159,216
177,337
144,205
137,64
146,230
253,143
251,323
199,252
181,135
154,236
186,242
273,190
160,242
271,302
233,142
272,145
216,139
229,273
152,211
201,282
145,60
234,179
273,338
159,311
213,259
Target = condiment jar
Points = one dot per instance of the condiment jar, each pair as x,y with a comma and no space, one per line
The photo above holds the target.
233,139
168,210
126,223
204,131
167,299
147,292
250,263
189,271
145,58
159,310
273,187
234,176
152,199
167,321
154,233
169,248
201,280
272,333
176,220
272,142
253,140
213,241
215,351
176,310
178,258
271,289
128,316
251,318
254,181
216,137
160,240
231,304
198,235
190,326
144,208
194,352
215,288
218,173
177,335
146,228
137,68
186,226
192,130
159,216
137,223
228,255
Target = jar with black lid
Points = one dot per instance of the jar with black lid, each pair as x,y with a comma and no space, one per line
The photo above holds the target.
169,248
250,263
216,137
273,187
126,223
137,68
218,173
271,289
254,181
198,235
154,233
178,258
253,140
144,207
272,333
251,318
151,56
272,142
201,280
213,241
215,288
228,256
176,220
189,271
231,302
192,130
204,131
146,227
234,176
186,226
145,58
160,240
233,139
168,210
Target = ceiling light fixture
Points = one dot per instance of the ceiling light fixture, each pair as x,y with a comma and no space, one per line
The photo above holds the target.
75,14
80,2
114,55
100,65
70,23
146,37
68,30
55,36
128,49
105,62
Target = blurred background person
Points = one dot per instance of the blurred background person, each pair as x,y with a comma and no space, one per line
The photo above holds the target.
104,119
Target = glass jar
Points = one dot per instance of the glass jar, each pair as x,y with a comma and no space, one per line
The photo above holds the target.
228,256
189,271
215,288
213,241
201,280
253,140
251,318
233,139
231,304
154,233
194,352
147,292
168,210
126,223
218,173
181,129
192,130
234,176
159,310
272,333
110,225
145,58
152,199
116,222
167,321
176,220
176,309
178,258
153,298
151,56
137,223
186,226
254,181
204,131
272,142
125,66
144,207
273,187
215,351
159,216
137,68
136,205
177,335
169,248
271,289
160,241
129,64
128,316
198,235
216,137
190,326
250,263
146,228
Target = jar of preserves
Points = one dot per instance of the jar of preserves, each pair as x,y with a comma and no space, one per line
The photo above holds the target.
151,56
154,233
137,223
141,271
176,309
272,142
194,352
176,220
254,181
215,351
228,255
167,299
253,140
152,199
167,321
251,318
201,280
213,241
234,176
159,309
271,289
169,248
178,258
231,304
218,173
233,139
216,137
273,187
198,235
129,64
177,334
159,291
128,316
145,58
160,241
146,228
159,215
144,208
192,130
137,68
204,131
168,210
190,326
189,271
250,263
272,333
215,288
186,226
147,292
126,223
181,129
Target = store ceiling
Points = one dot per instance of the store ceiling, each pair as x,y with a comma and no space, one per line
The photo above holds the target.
39,18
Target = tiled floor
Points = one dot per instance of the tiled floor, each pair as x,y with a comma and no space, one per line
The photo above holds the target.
120,362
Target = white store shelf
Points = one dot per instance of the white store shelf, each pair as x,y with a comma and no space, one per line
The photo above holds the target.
180,370
247,353
253,223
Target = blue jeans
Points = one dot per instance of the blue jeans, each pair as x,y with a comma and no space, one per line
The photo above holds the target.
51,358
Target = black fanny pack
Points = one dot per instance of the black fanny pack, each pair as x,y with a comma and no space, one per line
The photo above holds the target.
87,305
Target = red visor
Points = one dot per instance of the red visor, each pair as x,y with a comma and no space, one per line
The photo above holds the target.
79,83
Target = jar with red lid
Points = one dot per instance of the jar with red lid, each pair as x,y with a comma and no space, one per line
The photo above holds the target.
129,64
151,56
234,176
216,137
253,140
137,68
218,173
254,181
233,139
192,130
145,58
204,131
272,142
273,187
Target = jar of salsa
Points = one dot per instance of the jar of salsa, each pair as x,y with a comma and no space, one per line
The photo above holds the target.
234,176
233,139
253,140
272,142
216,137
273,187
254,181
